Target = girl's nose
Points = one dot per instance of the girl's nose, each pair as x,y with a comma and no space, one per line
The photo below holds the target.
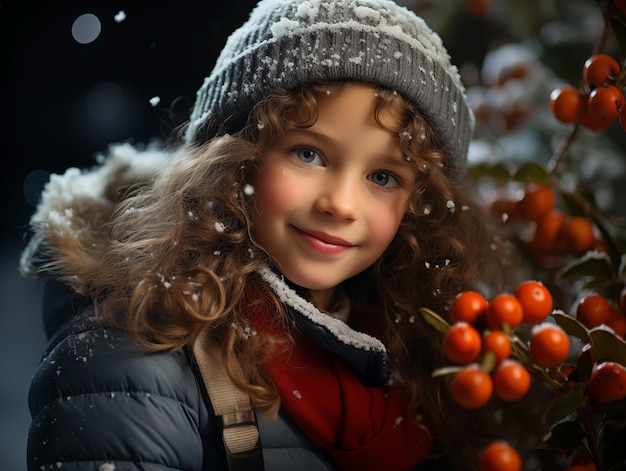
339,198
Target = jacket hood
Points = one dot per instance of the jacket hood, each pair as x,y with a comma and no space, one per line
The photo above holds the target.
75,206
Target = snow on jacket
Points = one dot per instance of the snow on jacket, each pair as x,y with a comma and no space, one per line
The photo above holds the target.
99,402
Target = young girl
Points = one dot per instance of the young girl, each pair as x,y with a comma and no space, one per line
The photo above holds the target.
314,206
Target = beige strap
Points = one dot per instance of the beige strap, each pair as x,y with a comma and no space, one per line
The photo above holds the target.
229,402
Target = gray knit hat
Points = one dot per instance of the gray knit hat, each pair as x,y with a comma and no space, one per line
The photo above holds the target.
286,43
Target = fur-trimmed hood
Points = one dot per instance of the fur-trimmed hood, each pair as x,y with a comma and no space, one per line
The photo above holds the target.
76,204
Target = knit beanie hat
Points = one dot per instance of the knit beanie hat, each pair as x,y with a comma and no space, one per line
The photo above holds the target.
286,43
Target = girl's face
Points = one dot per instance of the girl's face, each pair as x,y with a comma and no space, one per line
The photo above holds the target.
329,199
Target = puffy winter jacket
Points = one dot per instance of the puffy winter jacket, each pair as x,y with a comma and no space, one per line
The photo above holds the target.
98,402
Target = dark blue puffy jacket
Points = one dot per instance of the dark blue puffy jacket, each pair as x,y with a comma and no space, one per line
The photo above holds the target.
99,402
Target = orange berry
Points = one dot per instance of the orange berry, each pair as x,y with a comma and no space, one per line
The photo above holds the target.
515,71
478,8
593,310
471,388
504,208
577,234
462,343
587,120
504,309
617,322
538,200
468,306
499,456
536,301
605,103
607,382
565,103
497,342
545,236
549,345
599,69
511,381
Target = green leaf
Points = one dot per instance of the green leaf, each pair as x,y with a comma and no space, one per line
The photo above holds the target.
571,326
532,172
434,319
607,346
497,171
593,264
446,371
566,404
565,435
584,366
620,243
488,362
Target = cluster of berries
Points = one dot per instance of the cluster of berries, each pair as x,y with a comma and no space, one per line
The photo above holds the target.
553,233
598,102
480,341
482,328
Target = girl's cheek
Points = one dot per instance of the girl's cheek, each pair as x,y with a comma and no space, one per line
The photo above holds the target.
384,222
275,189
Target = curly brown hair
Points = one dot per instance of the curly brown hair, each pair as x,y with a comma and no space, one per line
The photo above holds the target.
179,254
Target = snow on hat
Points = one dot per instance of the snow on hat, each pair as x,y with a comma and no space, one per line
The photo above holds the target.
286,43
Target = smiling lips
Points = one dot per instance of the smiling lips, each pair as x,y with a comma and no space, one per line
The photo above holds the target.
323,242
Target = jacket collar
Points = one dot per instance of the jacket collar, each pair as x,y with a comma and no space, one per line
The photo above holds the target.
364,354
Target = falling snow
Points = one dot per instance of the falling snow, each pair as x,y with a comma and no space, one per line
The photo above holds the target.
155,100
220,227
297,394
120,16
248,190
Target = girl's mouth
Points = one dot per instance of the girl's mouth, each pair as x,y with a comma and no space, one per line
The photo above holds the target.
323,242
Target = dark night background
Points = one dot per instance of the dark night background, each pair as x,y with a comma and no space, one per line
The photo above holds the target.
49,84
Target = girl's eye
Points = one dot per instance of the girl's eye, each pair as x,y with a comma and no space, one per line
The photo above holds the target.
309,156
384,179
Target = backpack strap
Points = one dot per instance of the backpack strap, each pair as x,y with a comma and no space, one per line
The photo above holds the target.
240,432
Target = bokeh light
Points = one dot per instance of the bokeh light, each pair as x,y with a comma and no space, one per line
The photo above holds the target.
86,28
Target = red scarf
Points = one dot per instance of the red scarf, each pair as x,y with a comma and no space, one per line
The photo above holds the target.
360,427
